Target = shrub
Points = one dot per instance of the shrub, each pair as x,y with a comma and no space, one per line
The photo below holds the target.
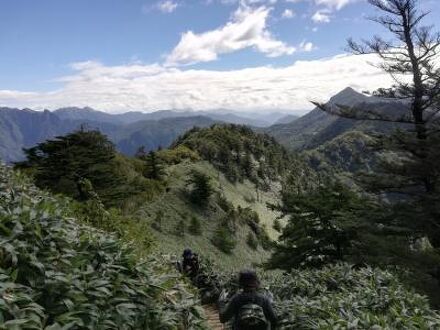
224,240
195,226
201,189
59,274
252,241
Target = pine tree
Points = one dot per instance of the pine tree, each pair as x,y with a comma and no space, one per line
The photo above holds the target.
153,167
319,229
62,163
201,188
411,173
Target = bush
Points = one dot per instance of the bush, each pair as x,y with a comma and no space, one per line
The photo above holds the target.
252,241
195,226
224,240
201,189
59,274
342,297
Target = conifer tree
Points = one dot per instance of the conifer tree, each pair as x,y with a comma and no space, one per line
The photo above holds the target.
153,167
320,227
412,173
63,163
201,188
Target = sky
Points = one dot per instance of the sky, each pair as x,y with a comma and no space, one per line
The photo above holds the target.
147,55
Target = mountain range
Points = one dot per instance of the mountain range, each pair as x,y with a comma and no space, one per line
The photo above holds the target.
23,128
128,131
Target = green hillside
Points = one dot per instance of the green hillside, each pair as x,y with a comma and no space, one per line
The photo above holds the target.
174,213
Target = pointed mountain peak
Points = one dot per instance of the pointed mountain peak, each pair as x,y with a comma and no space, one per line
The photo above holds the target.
348,96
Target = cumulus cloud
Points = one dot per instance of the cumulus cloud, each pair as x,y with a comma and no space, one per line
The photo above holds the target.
153,87
247,29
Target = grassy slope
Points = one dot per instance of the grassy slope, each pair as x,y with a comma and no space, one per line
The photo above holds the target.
176,207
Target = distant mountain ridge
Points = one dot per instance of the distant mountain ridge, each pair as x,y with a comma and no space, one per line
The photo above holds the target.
26,128
318,127
241,118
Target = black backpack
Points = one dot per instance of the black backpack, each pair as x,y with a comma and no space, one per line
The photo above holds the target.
251,316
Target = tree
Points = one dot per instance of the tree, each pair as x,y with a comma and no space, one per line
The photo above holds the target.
224,239
63,163
201,189
413,53
320,227
410,169
153,167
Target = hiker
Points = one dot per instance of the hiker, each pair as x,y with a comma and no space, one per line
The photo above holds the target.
190,263
250,309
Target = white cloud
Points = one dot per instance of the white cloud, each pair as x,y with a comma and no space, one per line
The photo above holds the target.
287,13
247,29
167,6
307,46
321,16
334,4
153,87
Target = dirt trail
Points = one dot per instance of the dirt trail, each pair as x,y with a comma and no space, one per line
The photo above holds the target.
213,318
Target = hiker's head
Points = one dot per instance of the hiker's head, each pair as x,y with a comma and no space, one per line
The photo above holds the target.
187,253
248,279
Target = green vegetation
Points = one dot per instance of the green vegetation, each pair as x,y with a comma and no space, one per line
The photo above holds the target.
224,239
342,297
61,164
201,188
152,164
338,296
321,227
239,152
195,227
58,273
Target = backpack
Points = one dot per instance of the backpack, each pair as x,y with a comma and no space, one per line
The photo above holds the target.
251,316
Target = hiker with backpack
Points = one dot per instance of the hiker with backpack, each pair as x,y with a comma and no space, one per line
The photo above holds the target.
190,263
248,308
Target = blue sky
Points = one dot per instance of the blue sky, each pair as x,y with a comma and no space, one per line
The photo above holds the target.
51,47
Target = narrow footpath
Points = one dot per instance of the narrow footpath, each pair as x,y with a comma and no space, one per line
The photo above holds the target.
211,313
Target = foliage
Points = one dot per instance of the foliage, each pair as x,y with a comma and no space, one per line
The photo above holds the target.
224,239
153,168
195,226
201,188
344,297
57,273
319,229
61,164
338,296
239,152
408,172
252,241
177,155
